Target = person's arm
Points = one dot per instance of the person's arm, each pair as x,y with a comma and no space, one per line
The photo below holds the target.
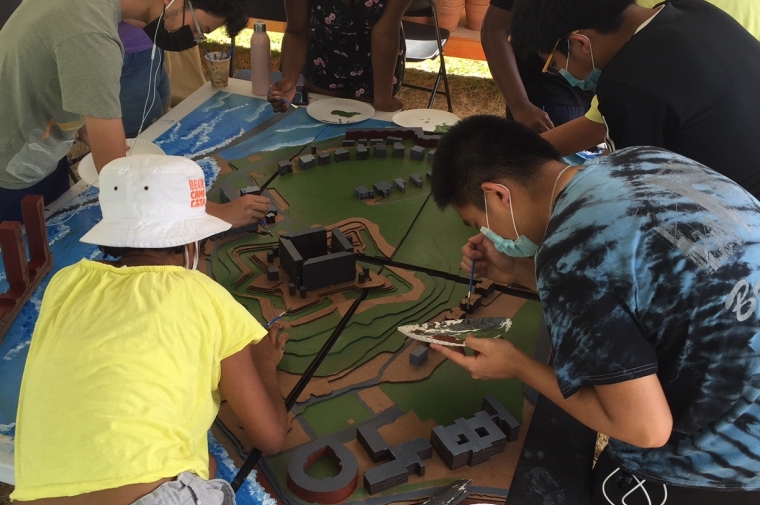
243,211
385,40
295,43
635,117
249,384
577,135
498,267
634,411
494,36
106,140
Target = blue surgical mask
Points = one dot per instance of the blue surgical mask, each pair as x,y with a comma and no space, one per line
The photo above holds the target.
590,82
523,247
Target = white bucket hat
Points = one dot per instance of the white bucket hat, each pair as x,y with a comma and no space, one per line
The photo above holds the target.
153,201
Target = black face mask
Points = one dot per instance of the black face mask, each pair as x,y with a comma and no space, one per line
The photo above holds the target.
170,41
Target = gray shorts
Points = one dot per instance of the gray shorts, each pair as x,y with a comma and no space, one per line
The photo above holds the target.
189,489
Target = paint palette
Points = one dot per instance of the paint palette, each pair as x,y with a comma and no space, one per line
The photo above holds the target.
340,110
89,174
430,120
453,333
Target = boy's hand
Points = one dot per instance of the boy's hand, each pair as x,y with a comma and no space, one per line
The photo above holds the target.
271,348
494,358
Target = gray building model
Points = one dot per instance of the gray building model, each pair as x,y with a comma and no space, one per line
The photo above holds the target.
306,259
417,153
307,161
406,459
382,188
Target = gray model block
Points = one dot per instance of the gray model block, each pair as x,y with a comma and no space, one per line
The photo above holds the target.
431,155
374,142
362,153
361,192
302,291
398,150
270,257
362,142
348,143
309,243
291,289
381,151
372,442
361,278
418,355
323,159
468,442
329,269
290,259
284,167
307,161
250,190
429,175
382,188
390,140
273,274
416,180
270,217
342,155
417,153
313,150
501,416
340,242
399,184
276,251
228,194
328,490
407,459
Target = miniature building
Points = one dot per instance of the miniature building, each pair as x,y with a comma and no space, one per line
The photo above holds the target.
406,458
270,257
468,442
484,288
362,153
399,184
381,151
431,155
323,159
23,276
348,143
291,289
390,140
305,256
307,161
313,150
361,278
273,274
418,355
363,142
475,302
398,150
361,192
501,416
340,242
416,180
250,190
429,175
371,193
276,252
417,153
284,167
382,188
228,194
395,134
270,217
366,272
302,291
328,490
374,142
342,155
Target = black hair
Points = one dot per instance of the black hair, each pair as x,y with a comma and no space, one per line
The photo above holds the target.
235,12
118,252
484,148
538,24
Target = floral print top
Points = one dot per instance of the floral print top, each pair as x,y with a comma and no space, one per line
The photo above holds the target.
339,53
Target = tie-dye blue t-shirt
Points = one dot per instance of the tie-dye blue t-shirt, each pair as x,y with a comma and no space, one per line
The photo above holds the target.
651,264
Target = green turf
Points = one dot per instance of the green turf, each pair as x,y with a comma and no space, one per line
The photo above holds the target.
333,415
323,468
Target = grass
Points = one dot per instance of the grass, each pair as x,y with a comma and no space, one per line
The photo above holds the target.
473,90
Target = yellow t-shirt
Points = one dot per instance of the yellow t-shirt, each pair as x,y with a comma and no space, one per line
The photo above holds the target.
122,379
746,12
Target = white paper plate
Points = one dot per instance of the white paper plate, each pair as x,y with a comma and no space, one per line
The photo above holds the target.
430,120
340,110
86,167
457,330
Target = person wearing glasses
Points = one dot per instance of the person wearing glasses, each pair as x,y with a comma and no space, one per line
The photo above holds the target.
541,101
682,76
60,66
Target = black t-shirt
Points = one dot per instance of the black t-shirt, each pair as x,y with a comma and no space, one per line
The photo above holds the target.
689,82
544,89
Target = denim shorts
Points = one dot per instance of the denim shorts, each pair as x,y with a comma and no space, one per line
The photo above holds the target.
189,489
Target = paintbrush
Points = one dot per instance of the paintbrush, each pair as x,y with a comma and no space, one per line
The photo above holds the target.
282,99
275,319
264,224
472,277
